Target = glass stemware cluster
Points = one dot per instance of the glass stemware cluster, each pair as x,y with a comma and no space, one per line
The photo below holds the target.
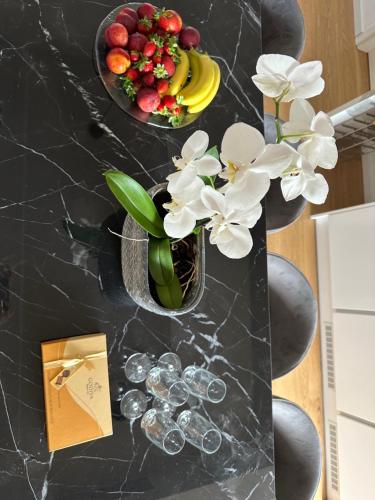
171,389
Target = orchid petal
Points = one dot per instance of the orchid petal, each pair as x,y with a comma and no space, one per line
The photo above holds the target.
179,224
208,165
316,190
306,73
246,218
271,85
178,181
213,200
234,242
292,186
199,209
274,160
322,124
191,192
241,144
320,151
250,191
305,91
195,146
269,64
300,118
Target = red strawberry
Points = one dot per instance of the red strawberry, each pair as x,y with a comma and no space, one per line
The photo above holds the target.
148,67
148,100
156,59
134,56
149,49
132,74
169,65
146,10
177,110
170,21
162,86
160,108
149,80
145,26
169,101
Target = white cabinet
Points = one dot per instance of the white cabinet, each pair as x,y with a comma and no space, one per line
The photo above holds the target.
354,353
356,447
352,258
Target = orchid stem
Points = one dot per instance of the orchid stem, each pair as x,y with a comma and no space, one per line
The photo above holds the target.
277,122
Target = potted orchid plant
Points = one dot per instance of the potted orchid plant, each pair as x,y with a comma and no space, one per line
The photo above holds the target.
221,192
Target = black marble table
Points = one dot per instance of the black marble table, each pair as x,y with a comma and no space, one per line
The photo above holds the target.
60,269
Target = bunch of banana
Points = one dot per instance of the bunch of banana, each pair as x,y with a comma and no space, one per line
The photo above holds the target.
204,83
181,74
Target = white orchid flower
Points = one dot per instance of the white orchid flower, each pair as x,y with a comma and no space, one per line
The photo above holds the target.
315,130
229,226
283,78
193,162
300,179
250,164
184,210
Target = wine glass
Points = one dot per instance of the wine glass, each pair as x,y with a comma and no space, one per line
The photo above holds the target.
204,384
167,386
162,431
170,361
200,432
133,404
163,407
137,367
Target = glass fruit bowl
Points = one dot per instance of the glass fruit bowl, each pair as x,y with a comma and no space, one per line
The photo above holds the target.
112,82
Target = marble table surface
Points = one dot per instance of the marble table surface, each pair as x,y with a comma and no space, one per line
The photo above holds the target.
60,269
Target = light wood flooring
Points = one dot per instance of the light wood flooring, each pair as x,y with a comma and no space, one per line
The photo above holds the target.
329,38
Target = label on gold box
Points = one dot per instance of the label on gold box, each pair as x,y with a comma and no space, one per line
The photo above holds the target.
76,390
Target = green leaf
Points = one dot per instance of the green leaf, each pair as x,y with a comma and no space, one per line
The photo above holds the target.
160,262
209,181
136,201
213,152
170,295
197,230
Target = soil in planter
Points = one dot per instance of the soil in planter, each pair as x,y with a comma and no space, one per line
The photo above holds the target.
183,254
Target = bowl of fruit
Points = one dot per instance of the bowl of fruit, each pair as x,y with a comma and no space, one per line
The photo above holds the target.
152,66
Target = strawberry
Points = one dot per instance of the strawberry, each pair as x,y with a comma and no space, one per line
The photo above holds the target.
149,80
177,110
132,74
148,67
156,59
169,65
162,86
145,26
161,108
146,10
169,101
149,49
134,55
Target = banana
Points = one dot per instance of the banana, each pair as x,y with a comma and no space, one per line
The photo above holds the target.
206,101
181,74
199,91
194,68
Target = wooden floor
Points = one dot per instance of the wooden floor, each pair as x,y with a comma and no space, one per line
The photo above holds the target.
329,38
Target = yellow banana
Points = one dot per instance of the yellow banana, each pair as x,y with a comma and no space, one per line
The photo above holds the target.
194,68
204,83
181,74
206,101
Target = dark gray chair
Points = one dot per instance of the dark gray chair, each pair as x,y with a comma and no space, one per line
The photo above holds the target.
293,314
279,213
283,28
298,456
